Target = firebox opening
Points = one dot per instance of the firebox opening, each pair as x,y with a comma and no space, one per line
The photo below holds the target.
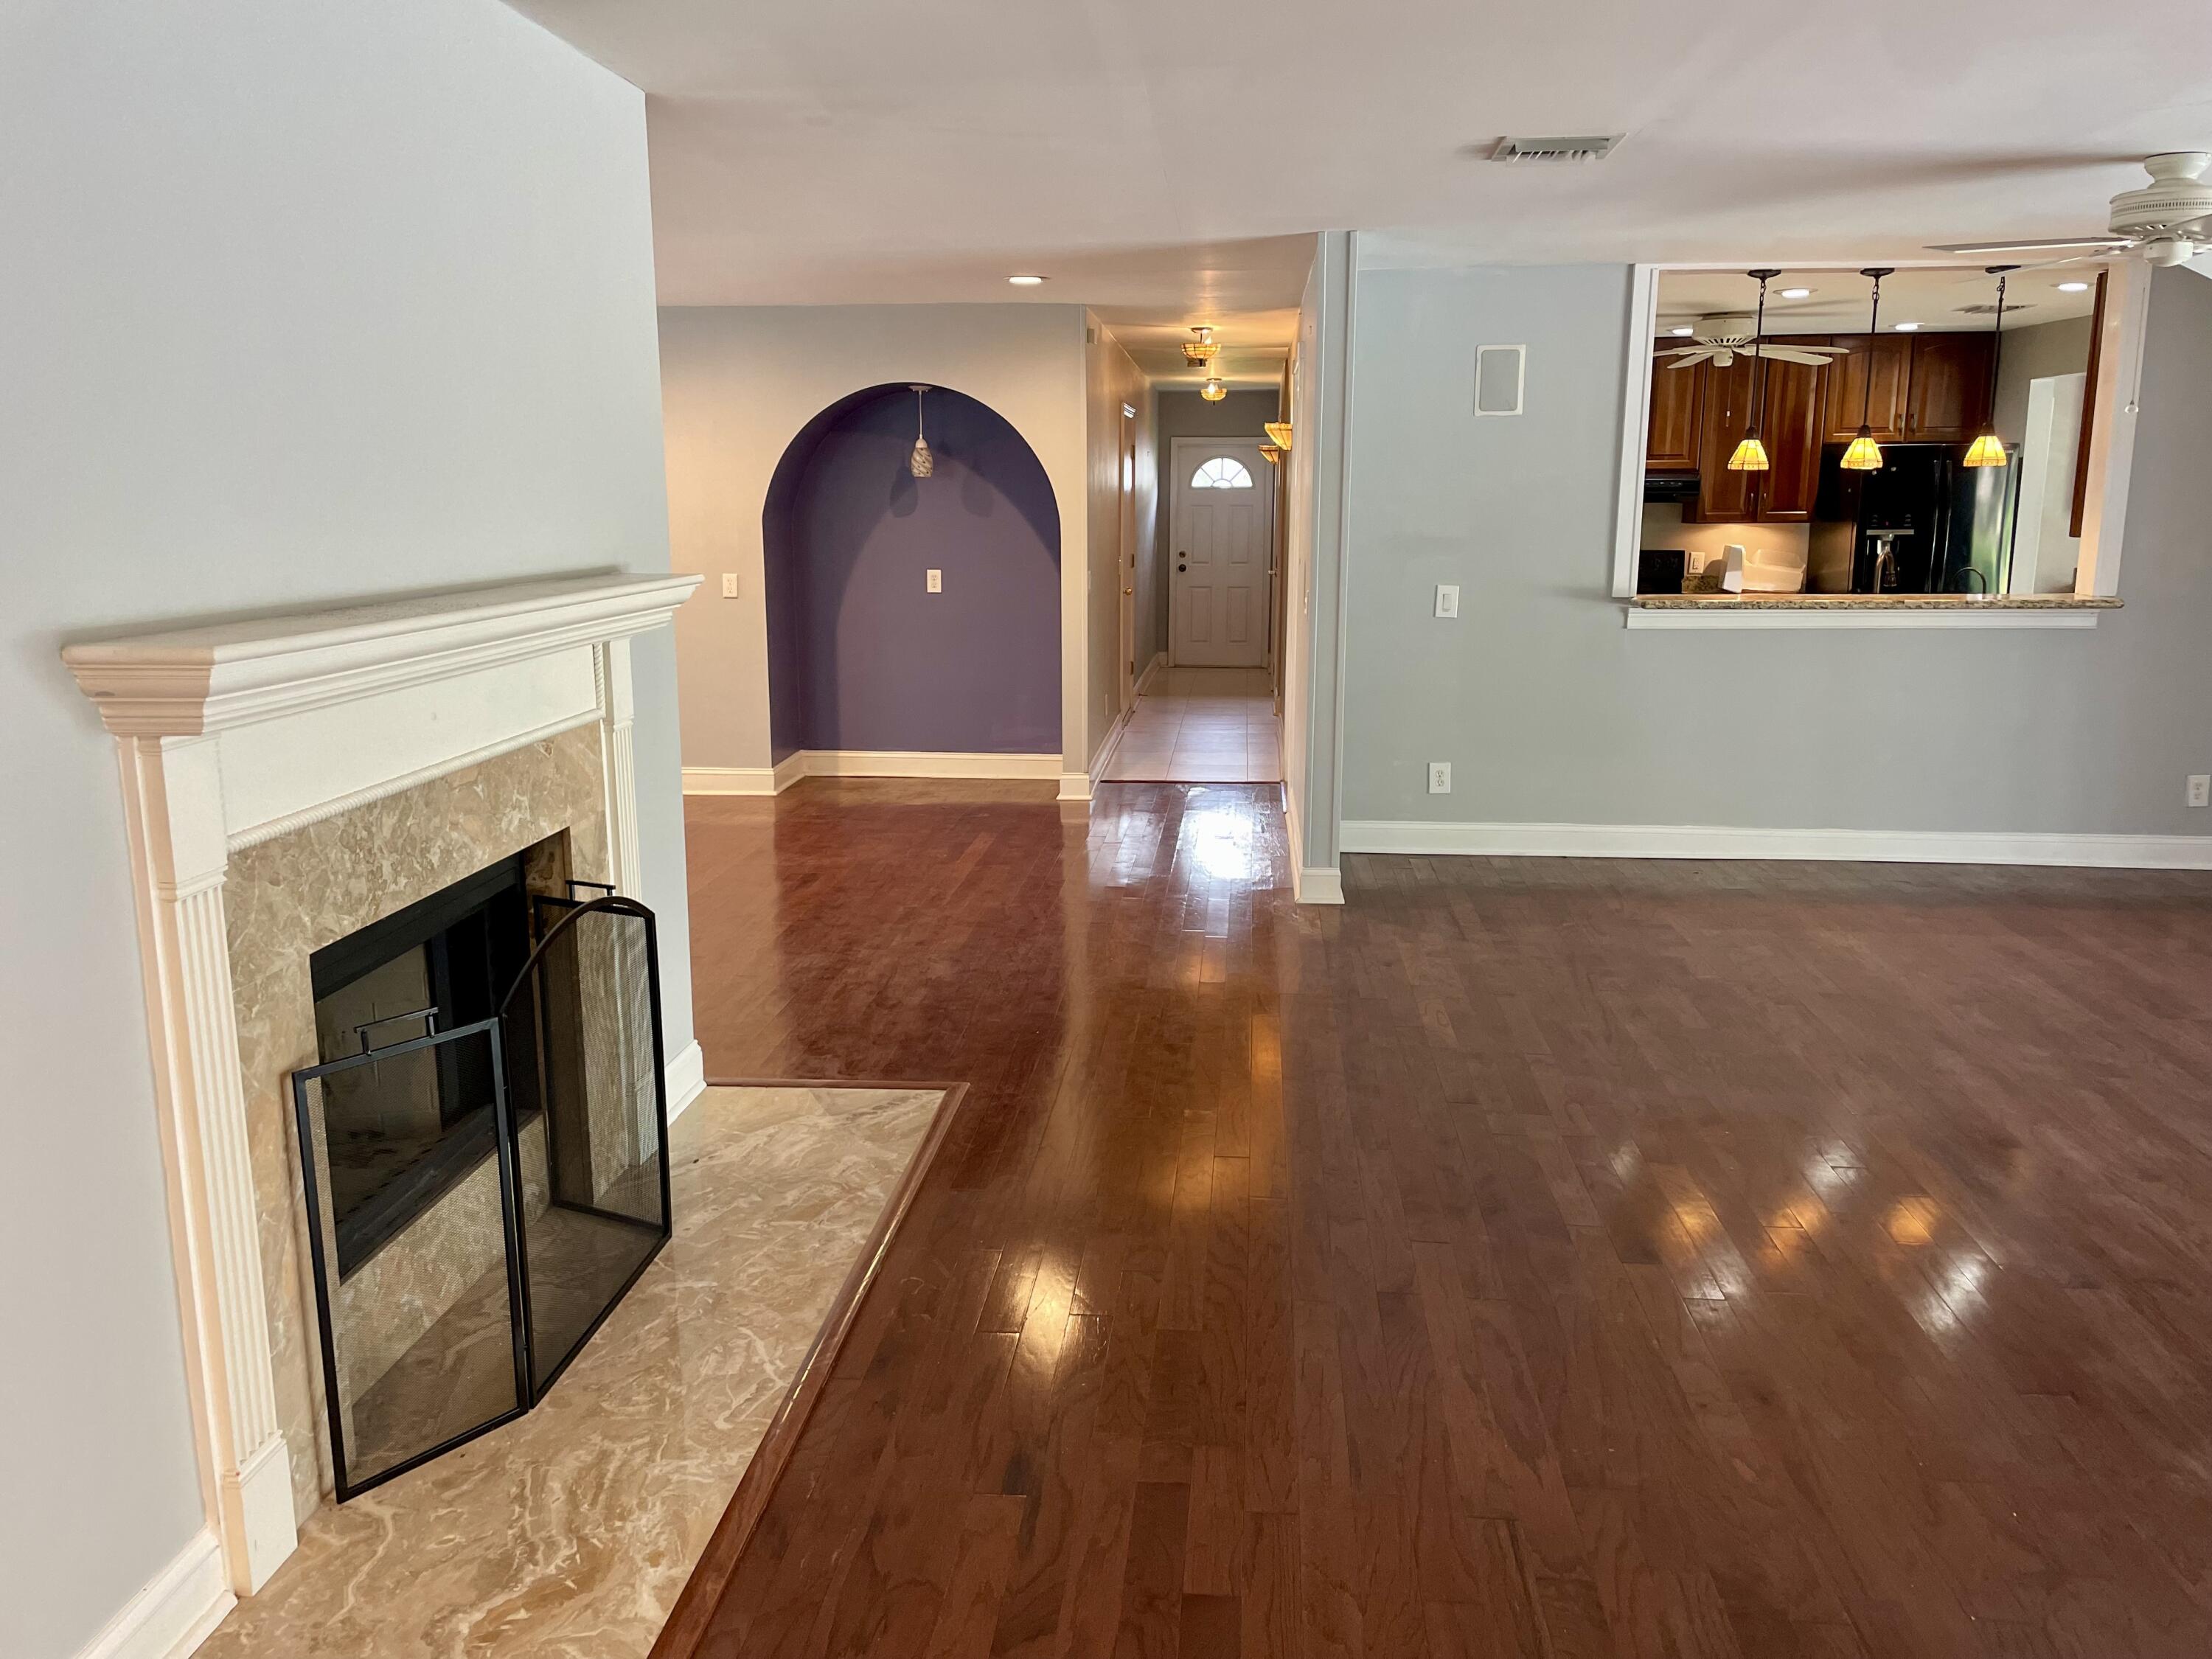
392,1153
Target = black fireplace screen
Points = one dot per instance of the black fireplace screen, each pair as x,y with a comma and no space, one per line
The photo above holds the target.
547,1127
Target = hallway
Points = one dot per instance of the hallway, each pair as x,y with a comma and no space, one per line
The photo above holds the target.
1202,726
1531,1258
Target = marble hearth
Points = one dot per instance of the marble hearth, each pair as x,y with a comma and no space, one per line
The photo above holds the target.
287,781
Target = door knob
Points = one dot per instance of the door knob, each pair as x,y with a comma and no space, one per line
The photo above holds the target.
1128,590
1182,566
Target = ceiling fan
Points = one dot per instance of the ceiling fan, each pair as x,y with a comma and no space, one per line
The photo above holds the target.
2168,221
1723,339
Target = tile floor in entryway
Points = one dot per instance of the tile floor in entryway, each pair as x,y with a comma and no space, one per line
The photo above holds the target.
1202,726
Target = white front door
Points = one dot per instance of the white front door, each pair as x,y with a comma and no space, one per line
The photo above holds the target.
1219,528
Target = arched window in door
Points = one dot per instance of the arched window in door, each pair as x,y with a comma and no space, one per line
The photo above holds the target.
1222,472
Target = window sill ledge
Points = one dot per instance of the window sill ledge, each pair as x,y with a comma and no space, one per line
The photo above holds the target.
1864,611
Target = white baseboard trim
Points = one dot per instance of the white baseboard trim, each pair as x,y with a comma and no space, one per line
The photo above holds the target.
926,763
1690,840
1152,671
789,770
175,1612
1075,786
687,1079
730,780
1102,762
1317,884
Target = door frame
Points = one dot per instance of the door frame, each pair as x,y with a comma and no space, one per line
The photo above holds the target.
1125,560
1177,472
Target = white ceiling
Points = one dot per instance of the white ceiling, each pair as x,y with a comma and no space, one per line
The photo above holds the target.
1165,160
1838,303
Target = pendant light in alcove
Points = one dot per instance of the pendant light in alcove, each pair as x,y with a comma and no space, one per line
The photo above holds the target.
921,463
1987,449
1865,454
1751,454
1214,390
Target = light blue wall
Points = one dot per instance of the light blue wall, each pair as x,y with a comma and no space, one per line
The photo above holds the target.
1550,711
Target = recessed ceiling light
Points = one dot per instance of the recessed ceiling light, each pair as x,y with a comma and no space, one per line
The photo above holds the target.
2072,287
1906,328
1796,293
1025,281
1683,332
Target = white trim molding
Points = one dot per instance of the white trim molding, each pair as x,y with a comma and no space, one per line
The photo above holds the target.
230,733
1877,613
687,1079
1152,670
1691,840
865,763
1317,884
175,1612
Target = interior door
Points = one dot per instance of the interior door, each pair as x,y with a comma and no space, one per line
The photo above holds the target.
1221,526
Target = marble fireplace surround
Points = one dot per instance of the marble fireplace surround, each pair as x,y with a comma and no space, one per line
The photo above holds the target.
238,736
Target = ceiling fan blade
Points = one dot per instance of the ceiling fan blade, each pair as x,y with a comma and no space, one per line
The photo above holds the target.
1792,355
2031,245
1687,356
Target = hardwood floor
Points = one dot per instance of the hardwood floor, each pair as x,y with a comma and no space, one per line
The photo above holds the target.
1531,1258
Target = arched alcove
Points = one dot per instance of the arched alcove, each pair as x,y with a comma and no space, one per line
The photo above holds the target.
860,656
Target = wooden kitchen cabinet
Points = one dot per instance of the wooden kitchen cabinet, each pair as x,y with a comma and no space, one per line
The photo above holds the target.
1724,497
1792,425
1677,396
1948,399
1889,358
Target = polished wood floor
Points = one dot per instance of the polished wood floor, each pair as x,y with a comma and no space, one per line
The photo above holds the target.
1530,1258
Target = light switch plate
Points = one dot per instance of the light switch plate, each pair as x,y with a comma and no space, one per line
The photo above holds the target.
935,582
2200,789
1440,777
1447,598
729,584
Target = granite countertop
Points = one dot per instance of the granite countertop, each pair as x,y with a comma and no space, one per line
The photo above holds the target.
1859,601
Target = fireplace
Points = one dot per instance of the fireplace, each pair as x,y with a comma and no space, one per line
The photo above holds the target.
290,782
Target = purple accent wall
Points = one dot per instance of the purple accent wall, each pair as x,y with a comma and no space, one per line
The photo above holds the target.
859,655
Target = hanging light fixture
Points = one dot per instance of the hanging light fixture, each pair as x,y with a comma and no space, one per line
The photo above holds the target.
1865,454
1214,390
921,463
1751,454
1271,454
1201,352
1989,450
1279,431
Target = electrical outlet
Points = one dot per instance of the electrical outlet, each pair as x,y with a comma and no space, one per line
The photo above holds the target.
1447,598
935,581
2200,790
729,584
1440,777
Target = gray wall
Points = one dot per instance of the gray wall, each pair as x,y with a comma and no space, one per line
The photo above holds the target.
1551,712
859,655
1187,415
2032,354
301,301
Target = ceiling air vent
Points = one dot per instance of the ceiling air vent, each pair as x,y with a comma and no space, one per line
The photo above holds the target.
1585,149
2013,308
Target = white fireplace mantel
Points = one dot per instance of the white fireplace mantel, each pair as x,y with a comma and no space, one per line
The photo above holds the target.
230,734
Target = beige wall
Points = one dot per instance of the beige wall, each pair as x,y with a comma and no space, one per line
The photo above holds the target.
738,384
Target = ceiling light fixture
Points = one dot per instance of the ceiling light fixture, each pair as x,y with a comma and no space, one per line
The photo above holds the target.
1271,454
921,463
1214,390
1796,293
1203,350
1751,454
1682,331
1908,328
1865,454
2072,287
1278,431
1024,280
1987,449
